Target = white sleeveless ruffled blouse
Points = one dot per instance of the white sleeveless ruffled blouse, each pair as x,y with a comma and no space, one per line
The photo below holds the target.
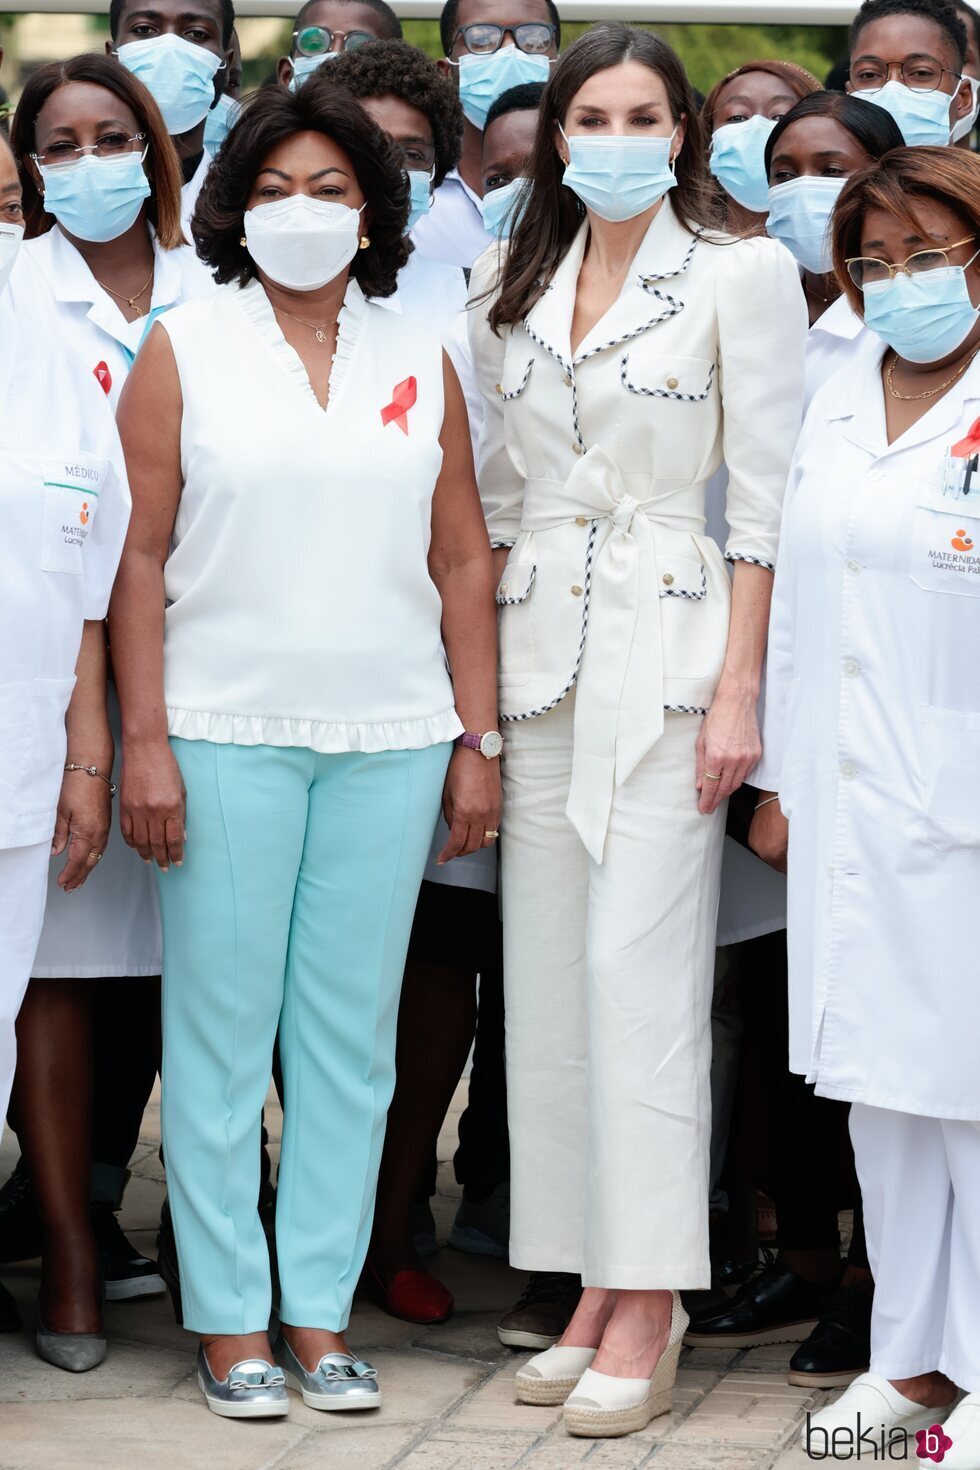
300,608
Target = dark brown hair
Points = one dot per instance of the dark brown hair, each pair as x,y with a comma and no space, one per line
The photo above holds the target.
552,214
947,176
799,81
271,117
162,166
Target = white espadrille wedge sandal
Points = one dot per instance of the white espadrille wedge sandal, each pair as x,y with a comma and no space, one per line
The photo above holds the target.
603,1407
550,1377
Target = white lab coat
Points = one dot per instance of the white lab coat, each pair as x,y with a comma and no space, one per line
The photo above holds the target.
872,739
111,927
189,193
830,346
65,502
753,895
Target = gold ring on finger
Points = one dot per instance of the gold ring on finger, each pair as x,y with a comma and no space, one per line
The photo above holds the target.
710,776
96,855
491,836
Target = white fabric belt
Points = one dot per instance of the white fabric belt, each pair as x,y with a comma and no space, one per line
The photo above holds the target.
619,702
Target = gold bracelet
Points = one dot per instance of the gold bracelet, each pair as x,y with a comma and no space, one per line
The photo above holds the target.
93,771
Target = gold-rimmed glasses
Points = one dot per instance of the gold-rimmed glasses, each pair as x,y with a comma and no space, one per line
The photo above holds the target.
865,270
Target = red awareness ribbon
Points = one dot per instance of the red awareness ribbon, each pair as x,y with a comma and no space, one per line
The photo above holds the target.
403,398
103,376
970,445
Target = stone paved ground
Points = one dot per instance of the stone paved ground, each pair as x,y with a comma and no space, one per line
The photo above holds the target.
448,1390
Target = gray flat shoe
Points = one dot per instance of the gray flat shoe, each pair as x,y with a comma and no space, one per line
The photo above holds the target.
254,1389
339,1380
75,1352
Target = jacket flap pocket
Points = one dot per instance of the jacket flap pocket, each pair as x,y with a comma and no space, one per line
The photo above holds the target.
652,375
516,583
515,379
682,576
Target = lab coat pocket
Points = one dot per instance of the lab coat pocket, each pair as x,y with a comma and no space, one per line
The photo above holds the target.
950,762
945,554
514,623
68,513
15,740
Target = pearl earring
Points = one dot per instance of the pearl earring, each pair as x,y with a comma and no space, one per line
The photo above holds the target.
243,242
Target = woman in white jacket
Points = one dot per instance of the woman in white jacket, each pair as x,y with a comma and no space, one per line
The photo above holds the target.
623,351
872,742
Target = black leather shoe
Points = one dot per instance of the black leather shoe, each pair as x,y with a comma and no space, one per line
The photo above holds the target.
838,1349
20,1228
9,1315
775,1306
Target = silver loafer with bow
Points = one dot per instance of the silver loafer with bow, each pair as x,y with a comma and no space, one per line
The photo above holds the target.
339,1380
254,1389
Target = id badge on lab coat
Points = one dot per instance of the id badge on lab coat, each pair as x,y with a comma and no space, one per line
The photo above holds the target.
71,499
945,555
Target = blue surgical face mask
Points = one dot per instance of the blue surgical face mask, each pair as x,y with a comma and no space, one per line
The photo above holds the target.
925,317
738,161
482,79
799,216
618,177
922,117
965,125
179,75
420,195
305,66
501,208
220,121
96,199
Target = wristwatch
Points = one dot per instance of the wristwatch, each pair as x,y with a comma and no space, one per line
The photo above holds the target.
489,744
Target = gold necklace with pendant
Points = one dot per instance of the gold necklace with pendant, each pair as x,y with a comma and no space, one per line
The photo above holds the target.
319,332
129,300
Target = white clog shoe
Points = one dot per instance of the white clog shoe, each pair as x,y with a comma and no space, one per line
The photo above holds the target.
962,1429
870,1412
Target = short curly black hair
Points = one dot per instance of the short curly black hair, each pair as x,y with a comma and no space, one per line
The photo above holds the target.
396,69
940,12
269,118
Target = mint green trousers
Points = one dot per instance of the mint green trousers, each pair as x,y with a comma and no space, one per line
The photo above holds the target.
291,913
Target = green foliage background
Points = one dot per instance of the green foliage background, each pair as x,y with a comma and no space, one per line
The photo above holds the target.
708,51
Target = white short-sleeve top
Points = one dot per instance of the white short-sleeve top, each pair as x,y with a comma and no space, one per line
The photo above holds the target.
300,607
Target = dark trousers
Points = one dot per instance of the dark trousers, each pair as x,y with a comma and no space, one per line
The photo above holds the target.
810,1173
127,1045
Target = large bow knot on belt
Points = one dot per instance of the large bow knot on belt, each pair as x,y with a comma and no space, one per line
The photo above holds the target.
619,702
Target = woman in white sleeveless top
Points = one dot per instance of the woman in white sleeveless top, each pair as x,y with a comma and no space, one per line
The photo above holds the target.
306,510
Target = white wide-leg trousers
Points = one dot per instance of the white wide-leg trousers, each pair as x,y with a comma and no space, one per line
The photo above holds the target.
608,979
920,1179
23,891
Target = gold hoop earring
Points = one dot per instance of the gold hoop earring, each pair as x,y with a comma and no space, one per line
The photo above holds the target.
365,241
243,243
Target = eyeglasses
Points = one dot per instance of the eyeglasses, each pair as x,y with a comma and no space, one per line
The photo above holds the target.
110,145
417,157
865,270
533,36
921,73
318,40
